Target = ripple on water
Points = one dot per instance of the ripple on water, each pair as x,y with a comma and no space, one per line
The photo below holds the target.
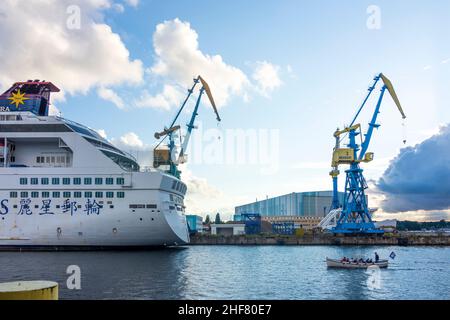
237,272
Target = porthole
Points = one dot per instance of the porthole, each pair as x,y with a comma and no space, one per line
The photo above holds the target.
114,230
59,230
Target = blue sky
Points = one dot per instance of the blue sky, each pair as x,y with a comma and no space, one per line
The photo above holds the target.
325,57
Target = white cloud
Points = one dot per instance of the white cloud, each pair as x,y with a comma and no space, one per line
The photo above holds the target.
202,197
428,67
445,61
132,140
109,95
169,97
134,145
267,77
104,4
425,134
289,69
41,46
291,73
53,110
312,165
118,7
102,133
133,3
179,59
420,215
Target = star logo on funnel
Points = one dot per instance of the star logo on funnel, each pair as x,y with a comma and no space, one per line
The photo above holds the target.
18,98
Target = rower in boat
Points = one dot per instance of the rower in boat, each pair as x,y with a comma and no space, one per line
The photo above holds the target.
357,263
334,263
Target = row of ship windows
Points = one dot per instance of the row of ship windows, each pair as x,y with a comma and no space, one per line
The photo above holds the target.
10,117
11,159
53,159
67,194
176,199
143,206
177,185
75,181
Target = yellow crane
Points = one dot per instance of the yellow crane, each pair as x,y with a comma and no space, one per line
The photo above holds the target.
355,217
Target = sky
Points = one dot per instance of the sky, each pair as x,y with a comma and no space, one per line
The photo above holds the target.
284,74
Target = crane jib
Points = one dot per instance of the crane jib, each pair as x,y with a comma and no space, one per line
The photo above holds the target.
391,90
210,97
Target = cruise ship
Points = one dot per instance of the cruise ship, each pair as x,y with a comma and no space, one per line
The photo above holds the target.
63,186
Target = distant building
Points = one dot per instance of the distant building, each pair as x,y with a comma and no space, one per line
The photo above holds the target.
303,204
195,223
307,223
237,217
228,229
387,225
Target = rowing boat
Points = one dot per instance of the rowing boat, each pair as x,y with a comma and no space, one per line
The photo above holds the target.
333,263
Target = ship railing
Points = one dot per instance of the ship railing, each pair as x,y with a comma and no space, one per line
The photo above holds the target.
148,169
130,155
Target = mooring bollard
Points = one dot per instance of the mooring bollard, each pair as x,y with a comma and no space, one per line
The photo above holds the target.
29,290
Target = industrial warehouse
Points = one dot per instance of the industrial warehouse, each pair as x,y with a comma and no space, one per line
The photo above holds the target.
287,214
302,204
278,215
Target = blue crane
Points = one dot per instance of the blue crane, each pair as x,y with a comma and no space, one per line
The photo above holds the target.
167,156
355,216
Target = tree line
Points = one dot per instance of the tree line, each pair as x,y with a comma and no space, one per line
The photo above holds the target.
418,226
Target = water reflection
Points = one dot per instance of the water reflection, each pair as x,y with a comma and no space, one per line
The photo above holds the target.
104,275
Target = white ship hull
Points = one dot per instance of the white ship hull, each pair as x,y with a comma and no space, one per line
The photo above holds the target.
64,187
117,224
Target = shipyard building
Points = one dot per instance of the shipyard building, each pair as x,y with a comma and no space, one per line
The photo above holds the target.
195,223
298,204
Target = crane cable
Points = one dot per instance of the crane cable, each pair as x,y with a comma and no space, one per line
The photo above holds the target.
219,137
404,131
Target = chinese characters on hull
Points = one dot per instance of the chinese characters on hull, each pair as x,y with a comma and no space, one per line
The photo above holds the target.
91,207
69,206
25,207
45,209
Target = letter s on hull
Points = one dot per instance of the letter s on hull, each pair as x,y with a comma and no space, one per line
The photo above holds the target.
3,207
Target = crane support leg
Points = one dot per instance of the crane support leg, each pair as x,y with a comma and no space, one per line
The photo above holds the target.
355,217
335,204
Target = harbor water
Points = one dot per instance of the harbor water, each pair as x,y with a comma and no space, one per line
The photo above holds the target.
237,272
